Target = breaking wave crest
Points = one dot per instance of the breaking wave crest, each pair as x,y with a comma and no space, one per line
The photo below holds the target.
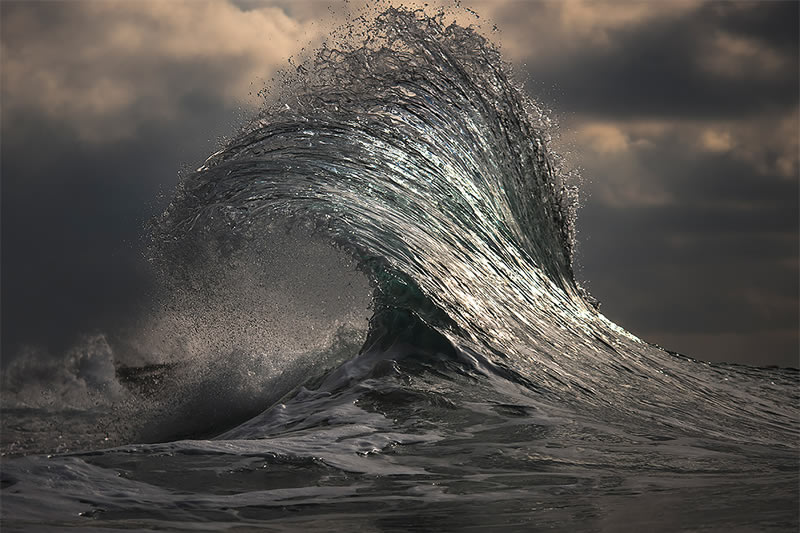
485,378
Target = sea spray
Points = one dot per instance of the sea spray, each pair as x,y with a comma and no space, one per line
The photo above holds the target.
488,393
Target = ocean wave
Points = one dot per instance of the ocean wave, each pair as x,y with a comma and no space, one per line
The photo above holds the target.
486,390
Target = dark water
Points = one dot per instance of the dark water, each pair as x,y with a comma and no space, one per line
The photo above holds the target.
371,323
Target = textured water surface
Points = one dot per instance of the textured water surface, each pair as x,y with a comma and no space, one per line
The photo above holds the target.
486,392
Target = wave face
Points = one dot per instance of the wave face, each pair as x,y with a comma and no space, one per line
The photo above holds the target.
489,392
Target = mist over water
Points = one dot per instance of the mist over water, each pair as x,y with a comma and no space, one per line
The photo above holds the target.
485,391
229,332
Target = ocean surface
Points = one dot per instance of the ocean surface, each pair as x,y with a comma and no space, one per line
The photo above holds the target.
369,322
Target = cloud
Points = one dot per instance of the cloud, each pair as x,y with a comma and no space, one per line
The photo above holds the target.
682,115
624,159
681,275
103,68
736,56
767,144
771,146
715,140
605,138
596,22
608,153
662,60
567,26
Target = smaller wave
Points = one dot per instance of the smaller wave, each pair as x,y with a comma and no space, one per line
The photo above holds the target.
235,327
201,402
81,378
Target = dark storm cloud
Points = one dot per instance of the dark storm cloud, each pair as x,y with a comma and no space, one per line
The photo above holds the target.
684,119
102,104
699,65
719,259
104,68
683,116
774,23
73,225
719,185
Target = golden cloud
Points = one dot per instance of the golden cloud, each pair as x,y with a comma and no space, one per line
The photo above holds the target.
605,138
570,24
596,20
115,63
769,143
715,140
737,56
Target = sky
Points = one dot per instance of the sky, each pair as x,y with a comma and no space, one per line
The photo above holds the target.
681,118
